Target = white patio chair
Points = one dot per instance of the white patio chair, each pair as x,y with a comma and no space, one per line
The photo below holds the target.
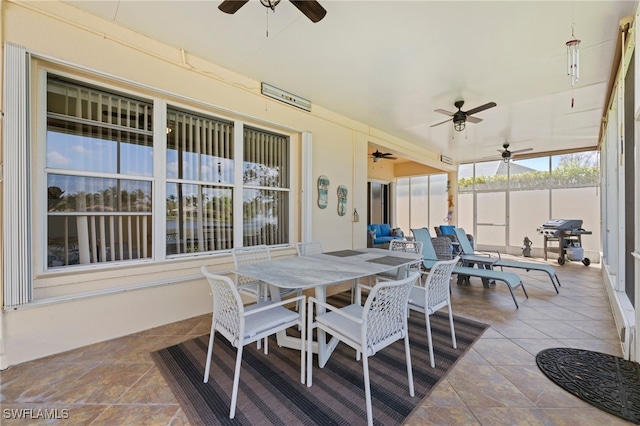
434,295
369,328
259,289
309,248
242,325
247,256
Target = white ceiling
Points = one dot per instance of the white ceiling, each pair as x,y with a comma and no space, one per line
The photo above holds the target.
390,64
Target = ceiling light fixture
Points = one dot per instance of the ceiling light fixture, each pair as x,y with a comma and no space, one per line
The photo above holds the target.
459,120
271,4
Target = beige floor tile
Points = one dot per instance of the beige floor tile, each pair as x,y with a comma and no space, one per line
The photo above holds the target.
533,346
497,382
443,396
103,384
583,417
511,416
445,416
516,329
481,385
137,415
611,347
472,357
538,388
558,329
150,389
179,419
503,352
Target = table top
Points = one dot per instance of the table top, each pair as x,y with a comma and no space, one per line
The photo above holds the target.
326,268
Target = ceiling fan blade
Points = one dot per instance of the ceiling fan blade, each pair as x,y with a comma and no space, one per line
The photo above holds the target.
474,119
311,9
481,108
231,6
445,112
517,151
390,158
442,122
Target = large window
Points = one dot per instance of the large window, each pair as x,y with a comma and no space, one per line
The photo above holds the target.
265,179
422,201
504,202
199,169
105,161
99,157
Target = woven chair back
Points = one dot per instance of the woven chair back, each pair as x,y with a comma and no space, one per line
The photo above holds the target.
385,313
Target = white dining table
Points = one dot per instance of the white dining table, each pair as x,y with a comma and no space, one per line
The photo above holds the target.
320,271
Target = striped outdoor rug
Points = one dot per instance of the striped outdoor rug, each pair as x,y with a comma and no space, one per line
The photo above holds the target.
270,391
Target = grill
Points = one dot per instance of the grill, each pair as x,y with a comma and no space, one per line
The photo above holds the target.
567,233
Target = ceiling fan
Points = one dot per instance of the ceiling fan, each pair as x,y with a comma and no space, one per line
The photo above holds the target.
506,154
461,117
310,8
377,156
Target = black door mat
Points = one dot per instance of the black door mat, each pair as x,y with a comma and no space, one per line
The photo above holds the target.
607,382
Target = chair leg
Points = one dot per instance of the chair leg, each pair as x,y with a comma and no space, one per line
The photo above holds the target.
207,368
453,332
409,368
236,381
367,389
428,326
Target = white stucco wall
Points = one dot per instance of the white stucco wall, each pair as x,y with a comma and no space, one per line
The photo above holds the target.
57,31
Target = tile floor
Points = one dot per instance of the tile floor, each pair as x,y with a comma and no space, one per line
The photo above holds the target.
496,383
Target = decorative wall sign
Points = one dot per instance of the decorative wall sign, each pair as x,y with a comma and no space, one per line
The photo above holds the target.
342,200
323,191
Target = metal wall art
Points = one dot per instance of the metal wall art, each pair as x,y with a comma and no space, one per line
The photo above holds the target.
342,200
323,191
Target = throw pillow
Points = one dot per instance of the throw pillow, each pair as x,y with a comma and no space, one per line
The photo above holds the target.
397,232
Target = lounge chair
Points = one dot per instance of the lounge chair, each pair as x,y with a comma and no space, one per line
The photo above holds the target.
429,258
467,249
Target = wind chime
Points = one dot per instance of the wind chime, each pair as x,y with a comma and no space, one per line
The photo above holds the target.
573,61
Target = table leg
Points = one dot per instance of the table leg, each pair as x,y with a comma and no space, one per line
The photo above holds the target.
282,338
325,349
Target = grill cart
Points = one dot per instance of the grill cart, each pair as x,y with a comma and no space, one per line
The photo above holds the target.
567,234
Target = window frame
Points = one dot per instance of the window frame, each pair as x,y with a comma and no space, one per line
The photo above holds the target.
161,102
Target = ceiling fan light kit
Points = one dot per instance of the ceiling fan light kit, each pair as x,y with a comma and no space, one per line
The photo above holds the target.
506,154
271,4
460,117
459,125
377,156
310,8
